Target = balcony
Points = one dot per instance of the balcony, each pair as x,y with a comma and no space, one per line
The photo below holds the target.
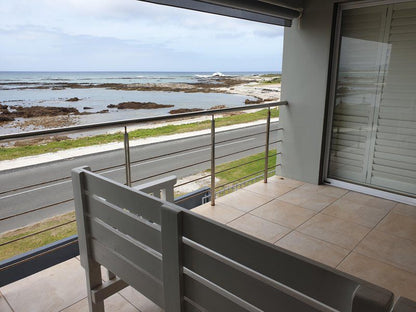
368,237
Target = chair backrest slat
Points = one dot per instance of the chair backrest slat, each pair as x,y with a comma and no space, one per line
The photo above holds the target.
126,247
120,195
292,270
129,272
123,220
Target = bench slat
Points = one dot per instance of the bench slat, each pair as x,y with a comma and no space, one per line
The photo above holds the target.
125,247
272,261
134,226
124,197
129,272
208,299
256,291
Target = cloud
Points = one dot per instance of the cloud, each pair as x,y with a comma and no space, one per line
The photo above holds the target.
121,34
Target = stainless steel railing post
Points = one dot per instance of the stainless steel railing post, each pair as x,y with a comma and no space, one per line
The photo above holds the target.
212,160
127,156
266,152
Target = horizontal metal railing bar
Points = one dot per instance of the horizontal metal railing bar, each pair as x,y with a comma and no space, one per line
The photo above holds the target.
200,178
36,209
274,142
240,137
169,154
252,174
246,163
191,196
37,233
55,180
241,151
37,255
277,129
138,120
172,170
240,165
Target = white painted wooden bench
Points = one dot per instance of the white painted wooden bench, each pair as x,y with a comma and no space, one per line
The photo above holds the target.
185,262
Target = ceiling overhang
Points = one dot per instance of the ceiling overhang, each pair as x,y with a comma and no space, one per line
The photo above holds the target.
276,12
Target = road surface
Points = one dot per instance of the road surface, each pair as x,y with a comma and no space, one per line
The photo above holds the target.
47,187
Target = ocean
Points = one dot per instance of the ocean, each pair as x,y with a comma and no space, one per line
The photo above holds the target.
54,89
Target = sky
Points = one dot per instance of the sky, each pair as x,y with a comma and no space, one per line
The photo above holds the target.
130,35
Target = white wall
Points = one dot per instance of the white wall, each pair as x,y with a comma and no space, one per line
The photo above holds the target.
306,56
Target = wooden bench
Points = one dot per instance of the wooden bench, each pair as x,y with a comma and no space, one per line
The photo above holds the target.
185,262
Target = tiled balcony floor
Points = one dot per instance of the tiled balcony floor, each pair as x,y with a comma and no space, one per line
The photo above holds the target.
371,238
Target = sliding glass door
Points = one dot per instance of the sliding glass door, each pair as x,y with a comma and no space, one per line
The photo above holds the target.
373,131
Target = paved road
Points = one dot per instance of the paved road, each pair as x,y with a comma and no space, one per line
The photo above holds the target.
48,185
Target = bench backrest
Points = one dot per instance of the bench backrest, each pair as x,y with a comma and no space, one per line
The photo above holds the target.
185,262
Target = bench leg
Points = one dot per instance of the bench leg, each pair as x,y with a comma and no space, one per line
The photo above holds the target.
94,280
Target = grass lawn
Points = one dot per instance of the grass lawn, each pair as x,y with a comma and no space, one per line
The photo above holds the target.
29,150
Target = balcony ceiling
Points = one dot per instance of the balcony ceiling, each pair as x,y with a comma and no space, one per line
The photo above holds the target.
276,12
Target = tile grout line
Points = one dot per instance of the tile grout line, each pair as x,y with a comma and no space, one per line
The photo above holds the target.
356,245
68,306
7,302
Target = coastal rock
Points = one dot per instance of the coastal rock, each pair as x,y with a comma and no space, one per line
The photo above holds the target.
140,105
218,107
5,118
112,106
74,99
259,100
184,110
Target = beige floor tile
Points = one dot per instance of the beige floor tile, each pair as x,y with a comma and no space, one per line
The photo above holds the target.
49,290
406,210
4,306
399,225
313,248
368,200
386,247
139,301
334,230
401,282
324,189
243,200
113,303
308,199
356,212
283,213
220,212
270,190
259,228
285,181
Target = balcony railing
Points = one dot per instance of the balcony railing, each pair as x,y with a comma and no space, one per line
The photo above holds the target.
33,200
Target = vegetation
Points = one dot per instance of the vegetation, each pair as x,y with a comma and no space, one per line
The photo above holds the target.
29,150
229,174
37,240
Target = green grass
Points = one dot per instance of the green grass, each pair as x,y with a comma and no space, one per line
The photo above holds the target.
37,240
255,164
30,150
61,232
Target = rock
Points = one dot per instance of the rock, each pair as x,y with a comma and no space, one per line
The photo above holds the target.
247,101
185,110
74,99
87,107
111,106
218,107
103,111
3,106
140,105
6,118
